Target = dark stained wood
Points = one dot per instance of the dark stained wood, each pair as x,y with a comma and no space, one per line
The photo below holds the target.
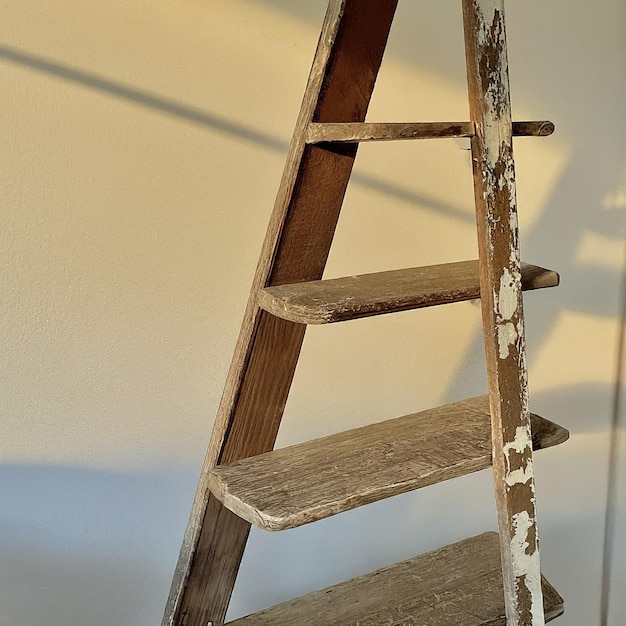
296,246
457,585
353,297
316,479
533,129
501,301
393,131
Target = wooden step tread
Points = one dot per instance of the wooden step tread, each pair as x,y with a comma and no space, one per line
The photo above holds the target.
458,584
309,481
353,297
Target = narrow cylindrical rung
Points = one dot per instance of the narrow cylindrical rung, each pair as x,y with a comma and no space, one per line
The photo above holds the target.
533,129
351,132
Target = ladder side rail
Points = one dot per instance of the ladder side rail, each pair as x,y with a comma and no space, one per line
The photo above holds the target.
501,301
296,247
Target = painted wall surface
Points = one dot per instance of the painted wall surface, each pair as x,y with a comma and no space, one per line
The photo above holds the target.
141,148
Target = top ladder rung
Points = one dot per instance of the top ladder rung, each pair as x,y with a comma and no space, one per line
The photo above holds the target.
353,132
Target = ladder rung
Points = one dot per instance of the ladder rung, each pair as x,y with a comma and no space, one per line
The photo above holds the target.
353,297
313,480
458,584
352,132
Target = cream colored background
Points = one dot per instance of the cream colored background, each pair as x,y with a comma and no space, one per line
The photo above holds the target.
142,144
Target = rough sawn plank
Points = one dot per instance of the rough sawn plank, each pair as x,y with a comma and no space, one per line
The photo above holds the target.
458,584
353,297
307,482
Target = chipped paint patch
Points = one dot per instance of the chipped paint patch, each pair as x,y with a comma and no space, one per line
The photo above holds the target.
506,301
521,444
507,336
491,41
519,476
507,296
525,562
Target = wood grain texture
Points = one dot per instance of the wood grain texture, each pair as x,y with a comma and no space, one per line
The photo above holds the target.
310,481
533,129
296,247
460,584
501,302
394,131
353,297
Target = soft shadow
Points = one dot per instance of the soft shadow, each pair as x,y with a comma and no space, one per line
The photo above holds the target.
212,121
88,547
144,98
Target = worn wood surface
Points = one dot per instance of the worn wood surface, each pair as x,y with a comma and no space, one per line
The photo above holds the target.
352,297
393,131
533,129
501,301
296,247
460,584
313,480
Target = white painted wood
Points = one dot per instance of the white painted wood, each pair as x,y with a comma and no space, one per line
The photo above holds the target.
501,300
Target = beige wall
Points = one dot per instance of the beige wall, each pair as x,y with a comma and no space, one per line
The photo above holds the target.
142,144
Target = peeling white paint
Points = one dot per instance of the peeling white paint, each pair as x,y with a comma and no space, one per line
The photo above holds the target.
510,181
522,443
526,567
513,224
497,144
492,14
519,476
493,138
507,296
507,336
506,304
520,341
498,179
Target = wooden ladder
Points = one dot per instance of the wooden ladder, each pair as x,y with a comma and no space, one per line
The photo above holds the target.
488,579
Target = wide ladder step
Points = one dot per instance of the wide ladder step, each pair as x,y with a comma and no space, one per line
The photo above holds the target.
309,481
356,132
458,584
353,297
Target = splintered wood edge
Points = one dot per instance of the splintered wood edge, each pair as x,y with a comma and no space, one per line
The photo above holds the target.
271,299
545,434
